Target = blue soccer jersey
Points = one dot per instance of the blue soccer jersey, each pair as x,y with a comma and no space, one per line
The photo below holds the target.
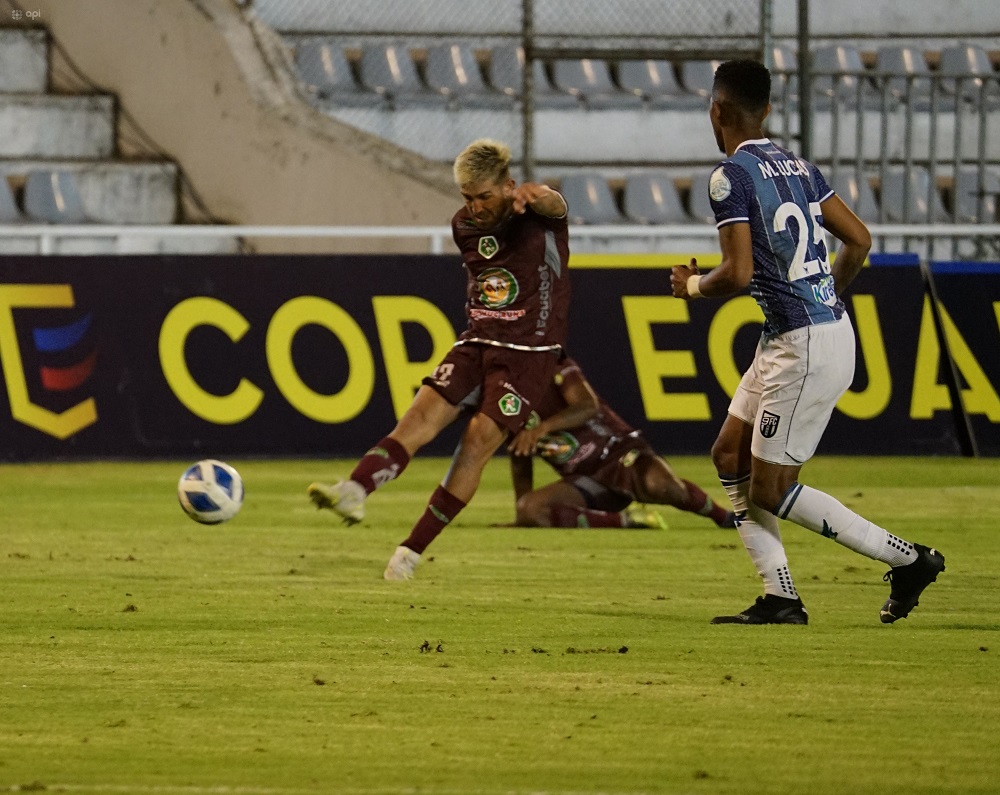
779,195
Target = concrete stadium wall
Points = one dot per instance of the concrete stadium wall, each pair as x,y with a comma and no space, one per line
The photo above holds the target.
213,89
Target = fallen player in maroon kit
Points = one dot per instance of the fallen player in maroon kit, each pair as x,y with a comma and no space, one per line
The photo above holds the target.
605,466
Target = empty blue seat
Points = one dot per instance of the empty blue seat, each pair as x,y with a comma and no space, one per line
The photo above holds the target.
590,79
655,81
923,203
453,70
784,76
966,72
699,205
651,197
389,70
906,76
976,195
52,197
698,76
841,78
506,74
327,74
858,195
589,199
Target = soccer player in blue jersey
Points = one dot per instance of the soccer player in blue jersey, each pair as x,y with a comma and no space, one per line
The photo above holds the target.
771,210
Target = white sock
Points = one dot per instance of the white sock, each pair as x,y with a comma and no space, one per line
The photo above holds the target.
822,514
759,532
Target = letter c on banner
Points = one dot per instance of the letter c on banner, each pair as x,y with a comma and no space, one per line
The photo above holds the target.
349,401
177,325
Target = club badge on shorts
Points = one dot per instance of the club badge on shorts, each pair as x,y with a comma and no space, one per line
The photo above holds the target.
488,246
510,405
769,424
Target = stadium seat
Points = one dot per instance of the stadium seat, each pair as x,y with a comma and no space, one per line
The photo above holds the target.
913,83
506,74
916,210
453,70
52,197
651,197
590,79
967,73
972,203
698,76
859,196
841,78
656,83
389,70
589,199
784,76
10,213
699,205
327,74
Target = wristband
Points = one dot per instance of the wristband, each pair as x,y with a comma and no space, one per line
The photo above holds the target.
692,286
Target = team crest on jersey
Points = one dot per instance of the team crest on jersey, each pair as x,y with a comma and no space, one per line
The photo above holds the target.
488,246
497,288
769,424
510,405
558,447
719,186
629,458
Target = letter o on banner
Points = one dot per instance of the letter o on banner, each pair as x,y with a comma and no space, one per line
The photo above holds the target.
286,323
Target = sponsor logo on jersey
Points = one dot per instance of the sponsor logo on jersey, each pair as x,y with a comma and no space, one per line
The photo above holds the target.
497,288
719,186
488,246
769,424
510,405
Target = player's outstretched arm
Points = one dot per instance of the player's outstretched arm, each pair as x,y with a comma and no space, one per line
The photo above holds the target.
850,230
540,198
581,405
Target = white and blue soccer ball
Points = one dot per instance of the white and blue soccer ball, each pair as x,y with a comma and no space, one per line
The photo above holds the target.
210,491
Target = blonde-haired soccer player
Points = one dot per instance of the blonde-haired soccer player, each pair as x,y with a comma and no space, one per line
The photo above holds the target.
514,243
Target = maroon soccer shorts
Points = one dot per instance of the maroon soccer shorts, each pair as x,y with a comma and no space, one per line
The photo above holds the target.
502,383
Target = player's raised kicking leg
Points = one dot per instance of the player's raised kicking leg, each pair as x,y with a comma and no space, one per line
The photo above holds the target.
426,417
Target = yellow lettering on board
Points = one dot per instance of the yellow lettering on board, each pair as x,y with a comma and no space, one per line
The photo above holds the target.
978,396
731,317
356,392
873,399
404,374
652,365
229,409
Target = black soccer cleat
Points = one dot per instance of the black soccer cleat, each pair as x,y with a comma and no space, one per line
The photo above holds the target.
769,609
909,581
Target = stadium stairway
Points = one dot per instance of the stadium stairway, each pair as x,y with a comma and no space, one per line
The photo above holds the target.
76,134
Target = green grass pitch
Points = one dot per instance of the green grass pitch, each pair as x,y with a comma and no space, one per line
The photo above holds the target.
144,653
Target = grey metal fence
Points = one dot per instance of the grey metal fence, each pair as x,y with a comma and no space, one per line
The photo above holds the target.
540,32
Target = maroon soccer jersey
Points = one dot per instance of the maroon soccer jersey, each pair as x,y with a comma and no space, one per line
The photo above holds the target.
584,449
518,293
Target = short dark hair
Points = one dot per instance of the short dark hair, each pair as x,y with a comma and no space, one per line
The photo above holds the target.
746,83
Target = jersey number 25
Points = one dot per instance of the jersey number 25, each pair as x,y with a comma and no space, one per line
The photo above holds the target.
800,267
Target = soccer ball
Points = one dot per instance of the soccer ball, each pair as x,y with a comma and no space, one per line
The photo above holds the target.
210,491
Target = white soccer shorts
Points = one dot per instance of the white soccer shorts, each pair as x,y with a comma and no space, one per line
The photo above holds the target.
792,387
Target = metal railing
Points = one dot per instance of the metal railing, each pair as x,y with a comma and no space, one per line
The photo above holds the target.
438,238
